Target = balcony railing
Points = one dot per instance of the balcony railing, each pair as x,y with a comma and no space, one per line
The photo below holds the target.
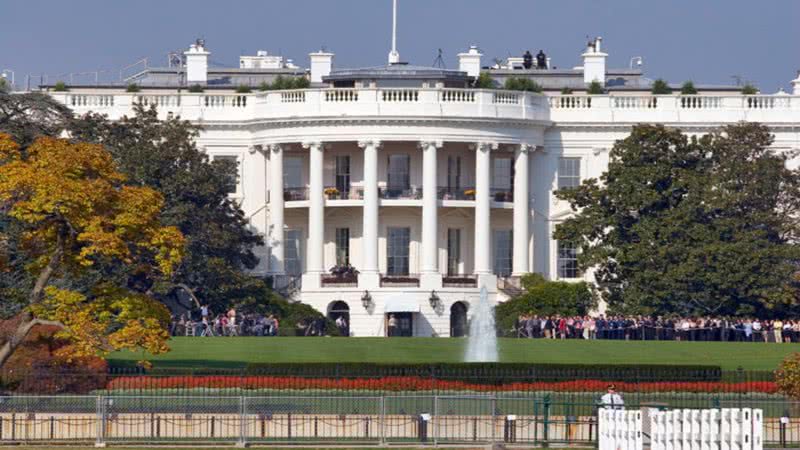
502,195
412,193
334,193
459,280
295,194
339,280
392,280
459,193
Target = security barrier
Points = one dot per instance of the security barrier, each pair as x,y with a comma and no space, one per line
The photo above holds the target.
620,429
708,429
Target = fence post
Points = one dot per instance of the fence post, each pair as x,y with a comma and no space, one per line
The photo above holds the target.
101,422
242,423
382,430
494,418
546,421
435,420
740,374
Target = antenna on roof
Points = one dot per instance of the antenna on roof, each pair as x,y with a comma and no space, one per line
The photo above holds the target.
439,61
394,56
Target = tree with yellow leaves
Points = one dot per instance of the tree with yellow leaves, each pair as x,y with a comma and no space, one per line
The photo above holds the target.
77,213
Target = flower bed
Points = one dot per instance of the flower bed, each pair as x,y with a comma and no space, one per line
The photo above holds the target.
418,384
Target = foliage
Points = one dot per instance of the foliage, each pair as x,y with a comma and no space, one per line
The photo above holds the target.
544,298
5,86
133,87
77,215
281,83
196,89
60,86
566,91
688,88
787,376
243,89
595,88
484,81
28,116
661,87
521,84
690,226
162,155
749,89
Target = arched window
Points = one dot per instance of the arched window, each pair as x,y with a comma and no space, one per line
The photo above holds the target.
458,319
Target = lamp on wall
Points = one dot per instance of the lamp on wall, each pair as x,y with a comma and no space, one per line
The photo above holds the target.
435,300
366,299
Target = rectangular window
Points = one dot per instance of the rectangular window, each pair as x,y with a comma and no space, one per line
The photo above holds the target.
453,251
233,180
569,173
501,174
398,176
343,175
397,241
293,252
342,246
453,173
293,173
502,252
567,260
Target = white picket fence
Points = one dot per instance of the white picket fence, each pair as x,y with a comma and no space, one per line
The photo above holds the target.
683,429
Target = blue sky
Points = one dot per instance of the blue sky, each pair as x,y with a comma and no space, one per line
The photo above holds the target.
707,41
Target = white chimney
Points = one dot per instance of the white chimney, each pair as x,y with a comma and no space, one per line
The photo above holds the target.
796,84
197,63
470,62
594,63
321,65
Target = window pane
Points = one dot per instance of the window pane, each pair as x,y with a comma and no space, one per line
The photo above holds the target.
502,252
342,246
569,173
453,173
397,251
293,251
501,176
343,173
398,172
293,173
567,260
453,251
233,181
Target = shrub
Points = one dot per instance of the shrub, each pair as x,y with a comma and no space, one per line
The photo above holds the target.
749,89
521,84
133,87
282,82
566,91
60,86
787,376
195,88
484,81
595,88
688,88
243,89
661,87
4,85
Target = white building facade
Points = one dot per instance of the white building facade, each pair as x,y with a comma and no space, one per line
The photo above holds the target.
429,188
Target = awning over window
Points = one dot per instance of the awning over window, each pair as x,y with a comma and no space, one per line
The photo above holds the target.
401,303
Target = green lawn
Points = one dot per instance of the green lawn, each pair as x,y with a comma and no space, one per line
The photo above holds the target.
236,352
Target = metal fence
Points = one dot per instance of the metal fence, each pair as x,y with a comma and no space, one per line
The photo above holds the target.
419,420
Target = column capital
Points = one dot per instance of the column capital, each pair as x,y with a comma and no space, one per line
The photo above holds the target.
424,145
275,148
314,144
525,147
484,146
370,143
256,148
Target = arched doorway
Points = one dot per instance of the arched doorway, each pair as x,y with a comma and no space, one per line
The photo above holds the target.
458,319
337,310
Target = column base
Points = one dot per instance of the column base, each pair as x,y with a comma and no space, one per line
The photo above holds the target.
312,280
489,280
430,280
369,280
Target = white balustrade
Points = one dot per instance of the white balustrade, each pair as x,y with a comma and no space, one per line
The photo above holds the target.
293,97
506,98
767,102
224,101
159,100
570,102
699,102
635,102
457,96
84,100
341,95
399,95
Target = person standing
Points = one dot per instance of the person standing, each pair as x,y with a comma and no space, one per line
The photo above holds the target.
611,399
341,324
392,325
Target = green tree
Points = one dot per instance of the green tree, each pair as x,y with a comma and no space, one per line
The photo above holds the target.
30,115
749,89
243,89
133,87
661,87
484,81
595,88
692,226
60,86
521,84
162,154
688,88
544,298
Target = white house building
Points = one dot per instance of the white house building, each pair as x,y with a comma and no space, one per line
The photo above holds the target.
429,187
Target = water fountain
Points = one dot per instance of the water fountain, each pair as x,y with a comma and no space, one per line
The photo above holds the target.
482,341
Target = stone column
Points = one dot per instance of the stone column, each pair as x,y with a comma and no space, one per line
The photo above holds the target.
276,233
521,211
483,230
316,216
431,278
369,277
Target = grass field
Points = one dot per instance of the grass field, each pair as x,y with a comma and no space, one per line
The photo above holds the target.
238,351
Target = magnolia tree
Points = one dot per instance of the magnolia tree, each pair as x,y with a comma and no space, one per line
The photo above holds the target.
75,216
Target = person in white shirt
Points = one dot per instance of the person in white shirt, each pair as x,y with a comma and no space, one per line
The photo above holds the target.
612,400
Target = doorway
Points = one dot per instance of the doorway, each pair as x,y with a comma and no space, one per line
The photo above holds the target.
458,320
400,324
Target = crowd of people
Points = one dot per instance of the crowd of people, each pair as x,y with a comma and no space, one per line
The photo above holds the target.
662,329
205,324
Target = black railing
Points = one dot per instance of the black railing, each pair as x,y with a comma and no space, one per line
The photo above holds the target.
353,193
502,195
459,193
460,281
340,280
411,193
407,280
295,194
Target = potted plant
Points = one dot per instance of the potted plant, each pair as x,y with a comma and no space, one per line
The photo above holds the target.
595,88
661,87
60,87
469,193
195,88
688,89
332,193
243,89
133,87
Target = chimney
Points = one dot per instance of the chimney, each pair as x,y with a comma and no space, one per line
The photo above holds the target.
796,84
197,63
321,65
470,62
594,63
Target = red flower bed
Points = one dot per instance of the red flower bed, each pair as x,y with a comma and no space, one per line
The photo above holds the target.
424,384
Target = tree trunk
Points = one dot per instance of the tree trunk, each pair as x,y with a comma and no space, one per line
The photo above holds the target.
24,327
